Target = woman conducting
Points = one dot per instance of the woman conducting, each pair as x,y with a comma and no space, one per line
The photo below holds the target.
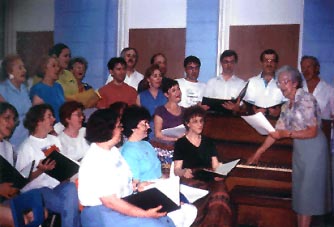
105,178
300,120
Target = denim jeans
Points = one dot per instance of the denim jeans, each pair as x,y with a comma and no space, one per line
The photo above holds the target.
103,216
63,199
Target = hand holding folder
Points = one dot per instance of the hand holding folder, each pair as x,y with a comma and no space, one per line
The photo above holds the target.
8,174
65,167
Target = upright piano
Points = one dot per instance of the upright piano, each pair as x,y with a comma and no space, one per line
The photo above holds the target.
236,139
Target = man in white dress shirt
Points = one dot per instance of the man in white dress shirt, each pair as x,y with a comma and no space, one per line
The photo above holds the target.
226,86
133,77
192,90
322,91
262,91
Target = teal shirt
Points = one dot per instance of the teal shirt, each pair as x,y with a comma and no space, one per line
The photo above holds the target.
142,159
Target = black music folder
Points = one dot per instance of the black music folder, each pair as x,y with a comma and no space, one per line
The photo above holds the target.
151,198
216,105
10,174
65,167
222,171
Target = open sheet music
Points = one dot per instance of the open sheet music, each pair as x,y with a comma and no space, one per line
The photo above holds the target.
176,132
260,123
221,171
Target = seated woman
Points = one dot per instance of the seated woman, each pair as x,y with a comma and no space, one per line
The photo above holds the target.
105,177
143,160
47,90
59,197
196,151
72,139
170,114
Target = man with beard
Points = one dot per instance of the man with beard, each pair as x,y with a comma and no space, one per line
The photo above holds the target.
262,93
133,77
226,86
192,90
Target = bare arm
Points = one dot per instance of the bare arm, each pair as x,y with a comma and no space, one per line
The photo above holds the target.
158,121
214,162
179,171
138,101
36,100
2,99
254,159
126,208
41,168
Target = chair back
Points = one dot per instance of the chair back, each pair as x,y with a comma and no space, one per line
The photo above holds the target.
26,202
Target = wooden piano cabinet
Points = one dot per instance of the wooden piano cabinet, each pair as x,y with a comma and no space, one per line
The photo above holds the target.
261,197
261,207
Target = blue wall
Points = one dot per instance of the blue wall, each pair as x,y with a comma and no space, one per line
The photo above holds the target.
318,37
89,28
202,34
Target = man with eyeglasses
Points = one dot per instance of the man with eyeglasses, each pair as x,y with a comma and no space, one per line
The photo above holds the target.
192,90
226,86
263,94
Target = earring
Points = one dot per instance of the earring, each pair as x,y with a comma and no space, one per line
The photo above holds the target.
11,76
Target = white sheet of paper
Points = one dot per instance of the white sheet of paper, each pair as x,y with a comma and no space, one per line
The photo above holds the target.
176,132
191,193
169,186
225,168
260,123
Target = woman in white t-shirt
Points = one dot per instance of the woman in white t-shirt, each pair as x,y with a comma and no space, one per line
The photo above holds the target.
105,178
72,138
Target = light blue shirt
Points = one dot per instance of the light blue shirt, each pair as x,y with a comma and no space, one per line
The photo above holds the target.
19,98
142,159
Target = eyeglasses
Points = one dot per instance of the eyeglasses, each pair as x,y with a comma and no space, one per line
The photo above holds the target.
144,123
280,83
10,118
79,114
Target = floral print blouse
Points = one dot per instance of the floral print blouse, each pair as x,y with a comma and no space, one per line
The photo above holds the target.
304,112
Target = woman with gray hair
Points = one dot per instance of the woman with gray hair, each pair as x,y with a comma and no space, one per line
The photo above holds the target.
300,120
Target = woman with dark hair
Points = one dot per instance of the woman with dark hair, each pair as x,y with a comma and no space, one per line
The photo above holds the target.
170,114
8,118
72,138
143,160
105,178
48,91
195,151
14,91
59,197
300,119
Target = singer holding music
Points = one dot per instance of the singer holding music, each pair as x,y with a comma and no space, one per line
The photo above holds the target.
300,120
